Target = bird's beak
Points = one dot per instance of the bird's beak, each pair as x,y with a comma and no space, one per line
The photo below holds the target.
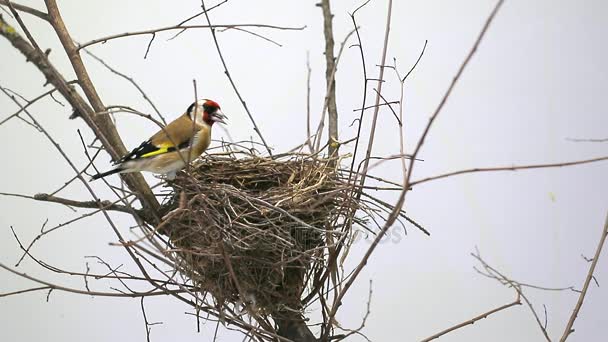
218,116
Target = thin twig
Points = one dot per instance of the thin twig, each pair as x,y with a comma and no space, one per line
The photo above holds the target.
581,297
495,274
26,9
130,79
378,94
587,140
474,319
238,94
508,168
107,205
395,213
181,27
308,73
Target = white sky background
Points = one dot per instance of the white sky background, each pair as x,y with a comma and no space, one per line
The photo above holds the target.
538,78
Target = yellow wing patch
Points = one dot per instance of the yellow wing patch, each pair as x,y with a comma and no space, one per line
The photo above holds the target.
162,149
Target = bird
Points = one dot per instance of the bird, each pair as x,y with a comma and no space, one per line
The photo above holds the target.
170,149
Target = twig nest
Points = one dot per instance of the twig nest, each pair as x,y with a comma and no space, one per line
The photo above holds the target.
255,229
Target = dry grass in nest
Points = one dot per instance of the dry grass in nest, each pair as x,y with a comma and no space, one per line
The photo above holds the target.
255,227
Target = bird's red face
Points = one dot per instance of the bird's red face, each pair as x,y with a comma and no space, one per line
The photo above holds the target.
207,111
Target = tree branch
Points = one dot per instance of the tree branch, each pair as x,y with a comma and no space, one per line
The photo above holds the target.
507,168
107,205
238,94
378,94
397,209
581,297
100,125
181,27
330,66
26,9
474,319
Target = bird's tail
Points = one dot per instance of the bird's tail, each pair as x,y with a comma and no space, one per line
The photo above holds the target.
107,173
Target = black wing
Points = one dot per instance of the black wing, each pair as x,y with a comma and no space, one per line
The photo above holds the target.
147,149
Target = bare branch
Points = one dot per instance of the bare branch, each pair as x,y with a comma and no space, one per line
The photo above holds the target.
308,73
397,209
474,319
31,102
587,140
131,80
330,69
238,94
378,93
182,27
495,274
107,205
581,297
26,9
78,291
319,132
251,33
39,59
508,168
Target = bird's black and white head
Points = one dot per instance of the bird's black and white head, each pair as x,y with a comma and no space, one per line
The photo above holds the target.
207,112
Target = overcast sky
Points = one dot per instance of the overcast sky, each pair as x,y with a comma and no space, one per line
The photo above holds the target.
538,78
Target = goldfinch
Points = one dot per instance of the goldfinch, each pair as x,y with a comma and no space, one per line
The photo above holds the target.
171,148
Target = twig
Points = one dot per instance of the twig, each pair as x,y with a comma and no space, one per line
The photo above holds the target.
495,274
373,106
107,205
395,213
581,297
474,319
78,291
90,190
238,94
319,132
308,73
587,140
181,27
106,134
26,9
251,33
508,168
147,325
31,102
378,94
415,64
149,45
364,94
130,79
196,16
367,312
8,294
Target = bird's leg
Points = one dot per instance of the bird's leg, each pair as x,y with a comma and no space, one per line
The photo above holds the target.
171,175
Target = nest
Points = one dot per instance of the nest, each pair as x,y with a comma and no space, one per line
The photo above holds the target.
255,229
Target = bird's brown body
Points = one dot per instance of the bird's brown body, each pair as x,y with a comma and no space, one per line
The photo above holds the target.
173,147
165,162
